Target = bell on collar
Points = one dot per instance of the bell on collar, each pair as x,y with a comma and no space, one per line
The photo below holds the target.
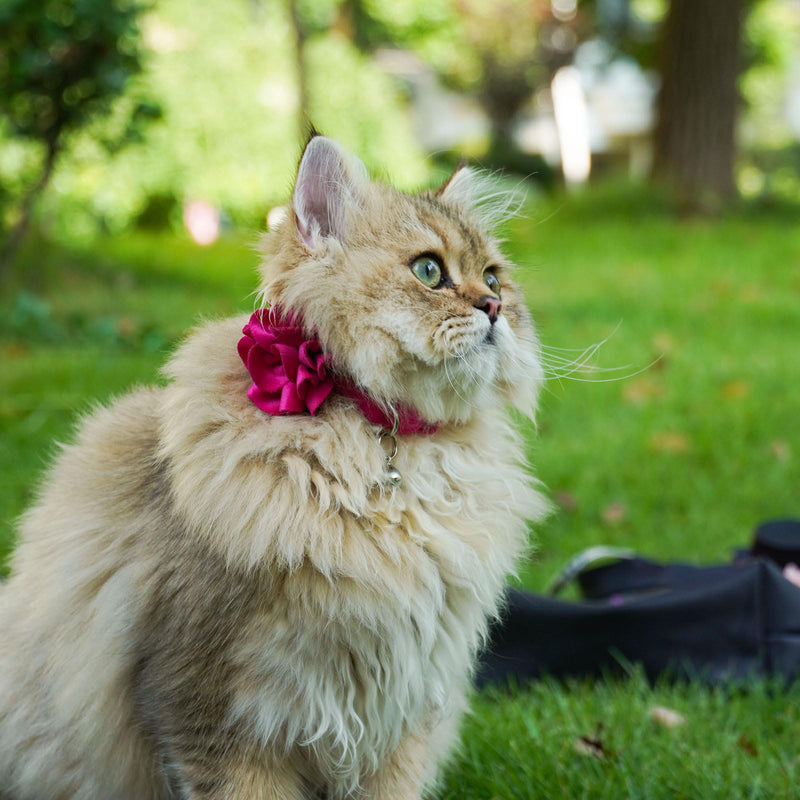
393,477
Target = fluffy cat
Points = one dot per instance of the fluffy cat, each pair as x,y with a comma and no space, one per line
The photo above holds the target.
210,601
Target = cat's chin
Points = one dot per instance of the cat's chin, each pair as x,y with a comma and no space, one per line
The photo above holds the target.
458,388
491,368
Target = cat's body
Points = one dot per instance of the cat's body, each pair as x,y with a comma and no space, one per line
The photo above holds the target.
213,602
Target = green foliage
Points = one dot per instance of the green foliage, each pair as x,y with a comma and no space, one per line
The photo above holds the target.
62,64
63,61
223,75
771,41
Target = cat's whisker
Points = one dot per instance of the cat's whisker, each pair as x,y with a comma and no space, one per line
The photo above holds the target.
558,367
472,372
625,377
453,386
548,347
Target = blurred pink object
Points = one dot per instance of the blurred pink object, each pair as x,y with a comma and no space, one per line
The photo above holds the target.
202,221
792,573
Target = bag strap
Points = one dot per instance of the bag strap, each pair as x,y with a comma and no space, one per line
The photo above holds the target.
588,559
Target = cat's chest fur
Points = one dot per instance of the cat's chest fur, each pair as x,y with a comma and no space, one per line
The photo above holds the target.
344,663
376,597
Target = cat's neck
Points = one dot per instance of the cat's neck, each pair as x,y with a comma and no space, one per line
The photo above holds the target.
397,418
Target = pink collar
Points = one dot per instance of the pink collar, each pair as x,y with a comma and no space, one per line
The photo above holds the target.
408,419
291,376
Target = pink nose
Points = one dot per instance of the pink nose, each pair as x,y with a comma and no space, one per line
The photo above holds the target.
491,305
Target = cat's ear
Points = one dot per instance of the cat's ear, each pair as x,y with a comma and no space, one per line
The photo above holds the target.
479,194
460,187
330,186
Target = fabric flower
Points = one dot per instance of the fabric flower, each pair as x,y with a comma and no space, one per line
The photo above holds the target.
288,369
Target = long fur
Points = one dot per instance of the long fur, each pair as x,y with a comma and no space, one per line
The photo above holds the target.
209,602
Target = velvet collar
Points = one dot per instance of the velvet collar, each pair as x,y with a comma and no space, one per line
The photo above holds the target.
291,374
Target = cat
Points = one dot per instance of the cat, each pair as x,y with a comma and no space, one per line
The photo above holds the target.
268,579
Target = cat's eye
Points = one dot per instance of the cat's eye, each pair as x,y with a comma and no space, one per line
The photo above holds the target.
492,281
428,270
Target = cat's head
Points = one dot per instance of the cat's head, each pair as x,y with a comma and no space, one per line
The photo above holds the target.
409,293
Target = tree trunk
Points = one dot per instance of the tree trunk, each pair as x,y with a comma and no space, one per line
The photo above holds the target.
17,233
300,68
695,137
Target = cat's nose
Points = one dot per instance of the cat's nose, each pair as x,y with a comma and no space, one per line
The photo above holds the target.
491,305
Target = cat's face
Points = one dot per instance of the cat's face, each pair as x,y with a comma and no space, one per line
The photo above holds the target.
410,294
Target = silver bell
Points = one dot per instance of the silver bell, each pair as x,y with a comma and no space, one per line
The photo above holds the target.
393,477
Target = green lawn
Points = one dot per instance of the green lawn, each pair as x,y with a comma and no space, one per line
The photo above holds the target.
694,441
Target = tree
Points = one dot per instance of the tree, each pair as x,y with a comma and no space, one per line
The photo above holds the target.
62,62
695,143
505,37
501,51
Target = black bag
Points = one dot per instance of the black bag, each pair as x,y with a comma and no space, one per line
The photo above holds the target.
721,624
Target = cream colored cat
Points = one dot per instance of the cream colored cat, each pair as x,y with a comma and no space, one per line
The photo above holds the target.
212,601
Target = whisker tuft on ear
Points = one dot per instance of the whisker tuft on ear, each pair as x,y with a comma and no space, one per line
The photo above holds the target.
483,194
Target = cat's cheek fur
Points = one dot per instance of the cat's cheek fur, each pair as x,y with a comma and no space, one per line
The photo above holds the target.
520,374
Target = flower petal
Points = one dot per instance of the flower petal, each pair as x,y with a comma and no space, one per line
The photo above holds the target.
317,395
289,359
290,402
268,403
288,368
266,370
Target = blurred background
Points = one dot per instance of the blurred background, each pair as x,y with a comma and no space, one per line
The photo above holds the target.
173,115
143,146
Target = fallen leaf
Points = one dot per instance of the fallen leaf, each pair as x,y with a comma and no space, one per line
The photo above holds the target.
588,746
670,442
15,350
780,449
746,744
641,391
614,514
751,292
735,390
127,326
663,343
565,499
666,717
593,746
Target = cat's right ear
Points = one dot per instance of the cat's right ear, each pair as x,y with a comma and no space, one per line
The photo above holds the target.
478,193
329,188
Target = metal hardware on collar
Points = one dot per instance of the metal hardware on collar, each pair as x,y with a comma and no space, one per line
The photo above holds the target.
393,476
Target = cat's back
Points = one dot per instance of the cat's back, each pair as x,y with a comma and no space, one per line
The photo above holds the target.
92,497
68,610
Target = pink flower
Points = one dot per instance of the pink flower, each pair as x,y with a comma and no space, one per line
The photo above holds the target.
288,369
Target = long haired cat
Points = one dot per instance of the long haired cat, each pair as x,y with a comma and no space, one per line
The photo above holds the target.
269,578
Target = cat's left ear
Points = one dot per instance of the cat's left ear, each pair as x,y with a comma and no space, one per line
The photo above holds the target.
330,187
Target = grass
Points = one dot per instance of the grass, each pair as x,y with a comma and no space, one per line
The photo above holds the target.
680,460
526,744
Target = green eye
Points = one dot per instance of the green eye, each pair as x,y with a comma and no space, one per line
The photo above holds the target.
492,282
428,270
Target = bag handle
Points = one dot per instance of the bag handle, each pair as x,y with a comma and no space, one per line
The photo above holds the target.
591,557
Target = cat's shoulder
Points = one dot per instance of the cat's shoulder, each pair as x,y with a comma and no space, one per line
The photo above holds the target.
208,355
